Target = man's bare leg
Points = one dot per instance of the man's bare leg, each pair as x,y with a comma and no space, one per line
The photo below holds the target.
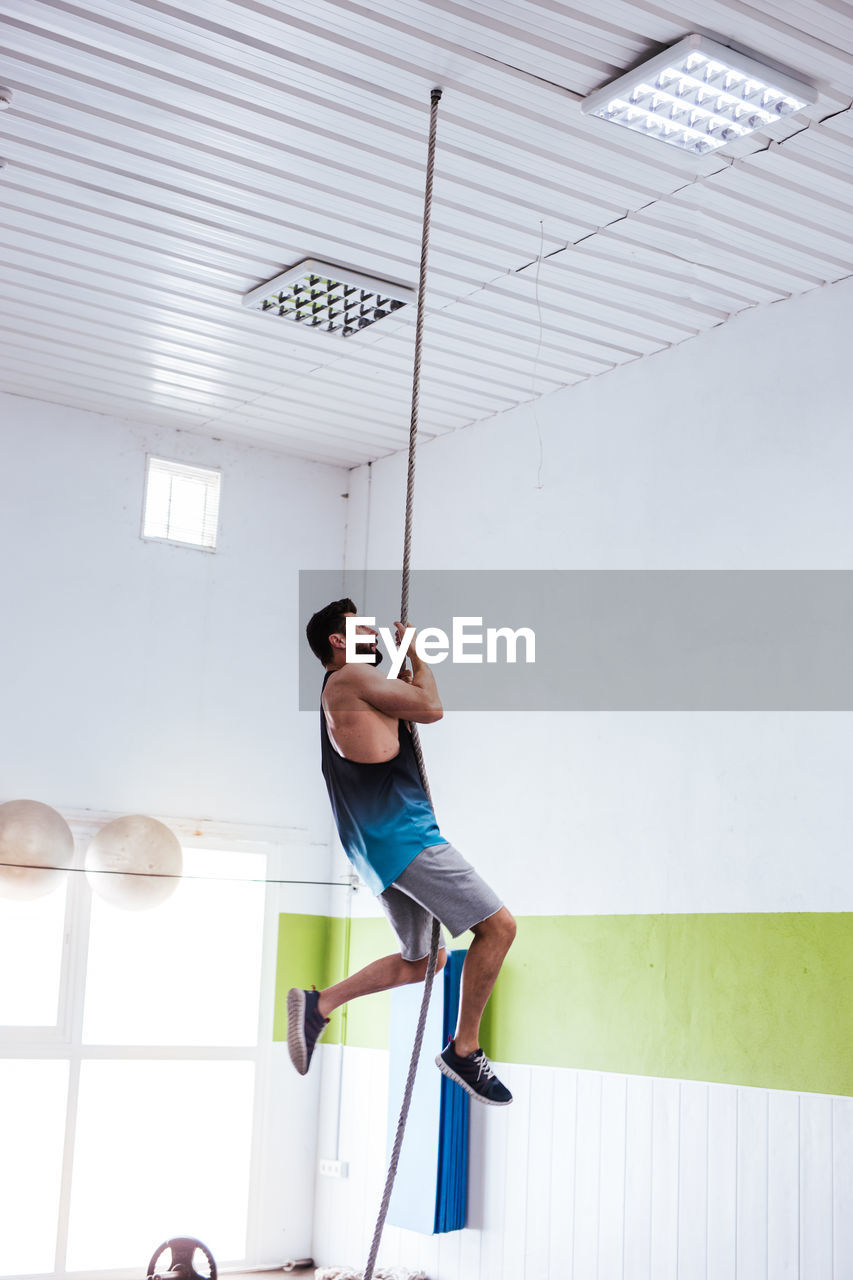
308,1011
493,938
380,975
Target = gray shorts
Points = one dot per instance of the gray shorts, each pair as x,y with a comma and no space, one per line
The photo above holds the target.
438,882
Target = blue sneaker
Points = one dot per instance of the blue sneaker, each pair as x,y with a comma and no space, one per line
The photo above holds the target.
475,1075
305,1026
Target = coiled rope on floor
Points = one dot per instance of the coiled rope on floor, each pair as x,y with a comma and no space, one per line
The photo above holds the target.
435,97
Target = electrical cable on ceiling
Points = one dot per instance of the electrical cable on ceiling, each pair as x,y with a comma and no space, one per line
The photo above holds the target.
538,353
169,875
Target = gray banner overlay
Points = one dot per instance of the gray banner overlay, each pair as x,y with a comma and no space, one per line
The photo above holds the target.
680,640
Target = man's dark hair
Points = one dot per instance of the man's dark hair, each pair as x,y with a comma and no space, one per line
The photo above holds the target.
327,622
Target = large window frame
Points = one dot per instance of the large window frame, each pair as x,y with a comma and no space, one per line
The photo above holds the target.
64,1040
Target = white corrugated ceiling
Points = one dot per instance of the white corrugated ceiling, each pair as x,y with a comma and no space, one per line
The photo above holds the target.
163,159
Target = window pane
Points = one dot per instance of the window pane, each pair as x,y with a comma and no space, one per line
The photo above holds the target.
31,935
186,972
182,503
163,1149
33,1099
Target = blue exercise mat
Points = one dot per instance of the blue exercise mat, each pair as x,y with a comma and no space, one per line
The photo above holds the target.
431,1191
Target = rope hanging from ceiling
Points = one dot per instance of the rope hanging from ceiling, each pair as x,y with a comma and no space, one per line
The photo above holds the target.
435,97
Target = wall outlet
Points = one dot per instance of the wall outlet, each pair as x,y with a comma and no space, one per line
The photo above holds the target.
334,1168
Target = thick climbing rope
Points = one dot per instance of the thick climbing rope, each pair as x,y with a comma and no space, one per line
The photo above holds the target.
435,97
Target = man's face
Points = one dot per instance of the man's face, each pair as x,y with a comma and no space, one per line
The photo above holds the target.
368,644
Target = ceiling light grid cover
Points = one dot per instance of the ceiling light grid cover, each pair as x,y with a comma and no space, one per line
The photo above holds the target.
699,95
329,299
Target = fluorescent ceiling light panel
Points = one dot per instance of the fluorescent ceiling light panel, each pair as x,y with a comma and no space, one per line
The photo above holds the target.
699,95
330,299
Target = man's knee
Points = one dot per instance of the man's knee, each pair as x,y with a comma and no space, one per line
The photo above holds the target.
415,970
500,927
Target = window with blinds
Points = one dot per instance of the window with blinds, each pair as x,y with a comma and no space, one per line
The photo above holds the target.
181,504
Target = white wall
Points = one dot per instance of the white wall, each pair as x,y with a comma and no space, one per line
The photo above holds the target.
733,451
144,677
730,452
602,1176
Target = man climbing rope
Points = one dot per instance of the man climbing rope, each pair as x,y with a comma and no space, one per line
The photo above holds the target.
388,830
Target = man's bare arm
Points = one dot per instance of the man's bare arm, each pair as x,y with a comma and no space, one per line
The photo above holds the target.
415,700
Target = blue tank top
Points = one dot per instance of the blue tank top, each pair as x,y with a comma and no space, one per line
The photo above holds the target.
382,812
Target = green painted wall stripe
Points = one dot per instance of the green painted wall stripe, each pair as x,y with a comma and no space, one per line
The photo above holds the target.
311,951
753,999
304,948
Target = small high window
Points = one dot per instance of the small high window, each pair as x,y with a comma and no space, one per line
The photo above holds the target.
181,504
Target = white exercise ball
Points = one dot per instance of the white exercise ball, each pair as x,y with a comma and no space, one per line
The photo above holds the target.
134,862
35,843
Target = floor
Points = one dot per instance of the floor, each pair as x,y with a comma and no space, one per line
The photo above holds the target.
303,1272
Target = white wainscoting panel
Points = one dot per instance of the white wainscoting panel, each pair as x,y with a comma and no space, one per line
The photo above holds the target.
598,1176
